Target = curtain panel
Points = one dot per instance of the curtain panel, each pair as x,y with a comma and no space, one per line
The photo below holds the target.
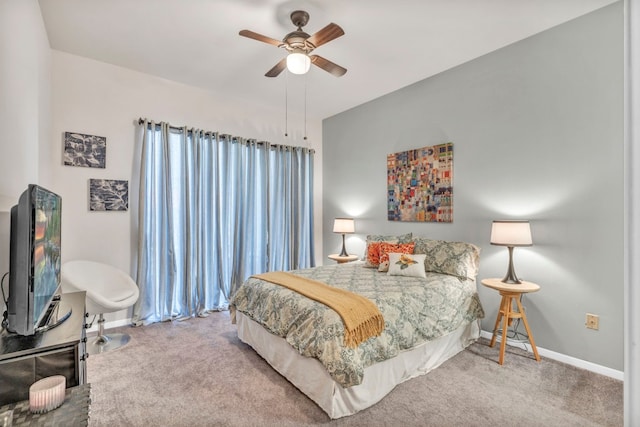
213,210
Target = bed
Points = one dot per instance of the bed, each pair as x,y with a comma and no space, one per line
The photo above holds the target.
430,307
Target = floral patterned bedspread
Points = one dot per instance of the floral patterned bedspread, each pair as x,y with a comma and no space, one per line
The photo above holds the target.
415,310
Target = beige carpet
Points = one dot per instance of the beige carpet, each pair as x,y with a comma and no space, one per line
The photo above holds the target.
197,373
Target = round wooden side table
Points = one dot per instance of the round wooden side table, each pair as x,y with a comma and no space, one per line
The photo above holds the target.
506,313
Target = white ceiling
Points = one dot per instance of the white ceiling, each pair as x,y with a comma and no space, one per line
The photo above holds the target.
387,44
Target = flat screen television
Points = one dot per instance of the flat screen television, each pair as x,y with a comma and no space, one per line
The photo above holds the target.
34,260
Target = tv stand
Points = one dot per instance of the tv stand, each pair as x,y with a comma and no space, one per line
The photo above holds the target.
52,317
54,351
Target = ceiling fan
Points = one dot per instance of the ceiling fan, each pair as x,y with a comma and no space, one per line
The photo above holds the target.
299,45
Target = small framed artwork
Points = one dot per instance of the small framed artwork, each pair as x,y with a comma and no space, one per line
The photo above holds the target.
108,195
89,151
420,184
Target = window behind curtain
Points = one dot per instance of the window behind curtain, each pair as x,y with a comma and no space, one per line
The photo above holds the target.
214,210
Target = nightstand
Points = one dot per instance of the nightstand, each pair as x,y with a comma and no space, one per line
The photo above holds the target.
342,259
506,314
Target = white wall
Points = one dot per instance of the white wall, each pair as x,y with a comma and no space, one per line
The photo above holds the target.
99,99
24,107
537,129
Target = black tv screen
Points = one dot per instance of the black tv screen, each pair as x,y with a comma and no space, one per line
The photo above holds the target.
34,270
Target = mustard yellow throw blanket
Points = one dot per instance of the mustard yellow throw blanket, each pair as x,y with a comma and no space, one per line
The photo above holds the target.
361,317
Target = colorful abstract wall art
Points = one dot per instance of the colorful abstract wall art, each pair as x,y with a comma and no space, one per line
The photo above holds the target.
420,184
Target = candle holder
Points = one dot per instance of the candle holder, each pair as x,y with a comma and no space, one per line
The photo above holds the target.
47,394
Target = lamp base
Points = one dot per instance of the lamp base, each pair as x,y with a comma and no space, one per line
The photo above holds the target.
511,277
344,248
511,280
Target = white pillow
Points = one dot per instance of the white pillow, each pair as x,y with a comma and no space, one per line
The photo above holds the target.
411,265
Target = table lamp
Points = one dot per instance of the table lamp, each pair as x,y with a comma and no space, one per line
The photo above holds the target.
510,234
344,226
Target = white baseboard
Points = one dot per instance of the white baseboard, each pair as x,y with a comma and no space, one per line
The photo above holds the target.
109,325
578,363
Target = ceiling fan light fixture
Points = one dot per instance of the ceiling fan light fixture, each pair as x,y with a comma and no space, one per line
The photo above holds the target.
298,62
299,46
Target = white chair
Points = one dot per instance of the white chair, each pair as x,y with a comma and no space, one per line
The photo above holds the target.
108,290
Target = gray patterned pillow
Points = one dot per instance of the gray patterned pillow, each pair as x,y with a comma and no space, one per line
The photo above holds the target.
403,238
453,258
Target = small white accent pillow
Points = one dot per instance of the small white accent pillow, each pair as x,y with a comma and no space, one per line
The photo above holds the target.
411,265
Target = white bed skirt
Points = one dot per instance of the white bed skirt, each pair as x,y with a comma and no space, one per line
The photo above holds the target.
311,377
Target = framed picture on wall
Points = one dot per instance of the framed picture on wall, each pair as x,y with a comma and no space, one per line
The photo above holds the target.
420,184
88,151
108,195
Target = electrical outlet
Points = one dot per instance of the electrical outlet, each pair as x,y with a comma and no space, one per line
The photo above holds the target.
593,321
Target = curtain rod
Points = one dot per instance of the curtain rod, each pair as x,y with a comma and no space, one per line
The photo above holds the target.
286,147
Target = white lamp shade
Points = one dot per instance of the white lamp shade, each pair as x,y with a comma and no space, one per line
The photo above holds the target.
511,233
344,225
298,63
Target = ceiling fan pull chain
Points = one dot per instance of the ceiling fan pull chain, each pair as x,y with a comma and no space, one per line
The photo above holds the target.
286,105
305,107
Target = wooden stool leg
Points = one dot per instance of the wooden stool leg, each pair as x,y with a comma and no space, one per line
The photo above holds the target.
526,327
495,327
505,324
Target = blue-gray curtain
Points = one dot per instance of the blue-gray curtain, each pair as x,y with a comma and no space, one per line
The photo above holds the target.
215,209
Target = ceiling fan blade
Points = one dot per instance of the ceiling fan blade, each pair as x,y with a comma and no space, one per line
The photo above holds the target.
325,35
260,37
278,68
328,66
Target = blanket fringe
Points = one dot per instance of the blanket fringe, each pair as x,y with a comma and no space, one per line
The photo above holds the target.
372,327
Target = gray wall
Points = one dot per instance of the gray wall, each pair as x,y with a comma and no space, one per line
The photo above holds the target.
537,129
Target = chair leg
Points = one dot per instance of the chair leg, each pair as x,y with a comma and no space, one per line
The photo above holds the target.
104,342
101,339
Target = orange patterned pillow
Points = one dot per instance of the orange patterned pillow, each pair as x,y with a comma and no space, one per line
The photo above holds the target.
386,248
373,254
